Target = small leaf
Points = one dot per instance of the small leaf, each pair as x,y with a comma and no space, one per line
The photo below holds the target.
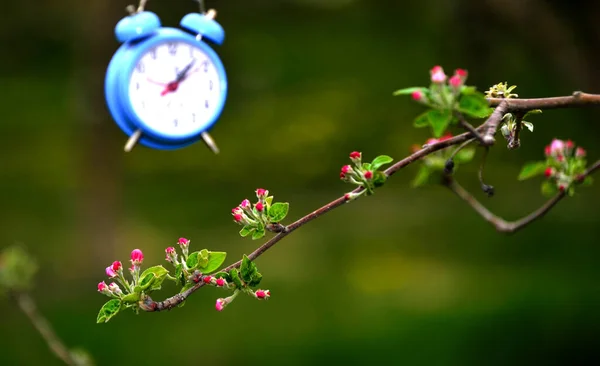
131,298
215,260
235,277
422,176
532,169
278,211
549,188
224,275
464,156
146,281
380,161
529,125
246,268
246,230
192,261
269,201
108,310
422,120
158,272
255,280
179,276
406,91
533,111
258,233
366,166
379,178
468,90
474,105
439,121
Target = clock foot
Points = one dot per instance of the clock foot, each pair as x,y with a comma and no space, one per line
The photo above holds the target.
133,139
208,140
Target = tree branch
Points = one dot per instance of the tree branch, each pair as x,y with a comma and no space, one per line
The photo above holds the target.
499,223
577,99
27,305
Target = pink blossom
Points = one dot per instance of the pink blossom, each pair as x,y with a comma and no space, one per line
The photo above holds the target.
417,95
238,217
462,73
455,81
437,75
116,266
207,279
220,304
368,174
547,150
183,241
262,294
549,172
137,257
246,203
115,289
261,193
170,250
556,147
221,282
110,272
579,152
102,287
355,155
259,207
346,169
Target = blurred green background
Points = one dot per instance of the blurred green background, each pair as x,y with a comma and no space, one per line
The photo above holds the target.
404,277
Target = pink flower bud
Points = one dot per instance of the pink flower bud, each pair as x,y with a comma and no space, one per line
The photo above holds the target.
431,141
569,144
110,272
183,242
102,287
437,75
116,266
261,193
221,282
455,82
238,217
547,150
137,257
259,207
556,147
262,294
246,203
461,73
579,152
346,169
368,174
355,155
549,172
447,136
561,187
170,250
207,279
347,197
115,289
417,95
220,304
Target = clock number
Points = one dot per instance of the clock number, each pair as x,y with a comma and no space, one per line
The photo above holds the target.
172,48
153,53
193,117
137,86
140,67
175,122
210,85
205,64
206,103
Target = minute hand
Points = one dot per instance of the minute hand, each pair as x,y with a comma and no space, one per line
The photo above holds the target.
183,73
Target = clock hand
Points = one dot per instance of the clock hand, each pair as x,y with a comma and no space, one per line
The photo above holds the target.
173,85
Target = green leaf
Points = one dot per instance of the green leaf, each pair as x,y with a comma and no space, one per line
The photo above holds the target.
246,230
422,176
108,310
203,258
179,274
439,119
152,278
255,280
235,278
215,259
464,156
258,233
269,201
532,169
533,111
474,105
468,90
549,188
587,181
131,298
422,120
379,178
528,125
246,268
278,211
380,161
411,90
192,261
226,276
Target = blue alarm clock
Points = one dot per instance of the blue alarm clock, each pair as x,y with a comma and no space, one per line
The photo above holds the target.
165,87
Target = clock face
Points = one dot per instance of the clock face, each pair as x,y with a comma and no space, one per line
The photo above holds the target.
175,89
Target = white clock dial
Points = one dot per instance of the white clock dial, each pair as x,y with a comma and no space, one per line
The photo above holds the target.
175,89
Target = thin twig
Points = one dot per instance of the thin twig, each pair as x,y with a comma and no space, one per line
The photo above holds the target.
499,223
486,188
515,139
449,166
28,307
467,126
